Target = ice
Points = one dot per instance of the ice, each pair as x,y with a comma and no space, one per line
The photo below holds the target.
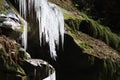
51,22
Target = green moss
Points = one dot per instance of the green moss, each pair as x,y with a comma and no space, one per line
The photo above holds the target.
71,16
94,29
104,33
9,63
73,23
2,8
107,67
91,59
64,4
66,16
73,34
108,70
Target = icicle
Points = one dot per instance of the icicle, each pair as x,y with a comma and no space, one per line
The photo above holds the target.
24,23
23,12
51,22
24,35
30,6
60,19
23,8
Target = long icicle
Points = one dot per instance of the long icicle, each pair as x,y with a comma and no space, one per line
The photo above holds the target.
23,12
24,35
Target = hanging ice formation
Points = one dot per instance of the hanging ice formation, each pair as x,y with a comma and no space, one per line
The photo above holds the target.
23,9
51,21
24,35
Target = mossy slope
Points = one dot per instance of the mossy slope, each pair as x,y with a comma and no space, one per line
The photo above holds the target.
98,54
94,29
95,59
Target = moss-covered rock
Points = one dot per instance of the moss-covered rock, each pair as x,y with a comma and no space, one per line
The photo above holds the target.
94,29
86,58
11,53
11,24
10,57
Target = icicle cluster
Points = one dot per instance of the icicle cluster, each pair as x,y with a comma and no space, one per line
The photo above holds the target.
51,21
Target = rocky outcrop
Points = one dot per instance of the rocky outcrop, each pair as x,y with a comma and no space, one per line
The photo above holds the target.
16,64
11,55
10,23
85,57
37,69
14,60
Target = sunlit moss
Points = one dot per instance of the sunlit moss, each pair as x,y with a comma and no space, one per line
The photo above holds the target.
2,8
94,29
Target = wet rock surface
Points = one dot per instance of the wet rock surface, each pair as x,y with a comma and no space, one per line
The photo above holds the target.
10,24
37,69
9,21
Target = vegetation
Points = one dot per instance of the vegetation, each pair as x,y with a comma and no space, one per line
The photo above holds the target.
10,57
2,7
66,4
102,59
94,29
103,11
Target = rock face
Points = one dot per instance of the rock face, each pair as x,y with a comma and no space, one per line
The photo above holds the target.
10,57
38,69
11,53
92,60
10,24
9,21
14,63
84,57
